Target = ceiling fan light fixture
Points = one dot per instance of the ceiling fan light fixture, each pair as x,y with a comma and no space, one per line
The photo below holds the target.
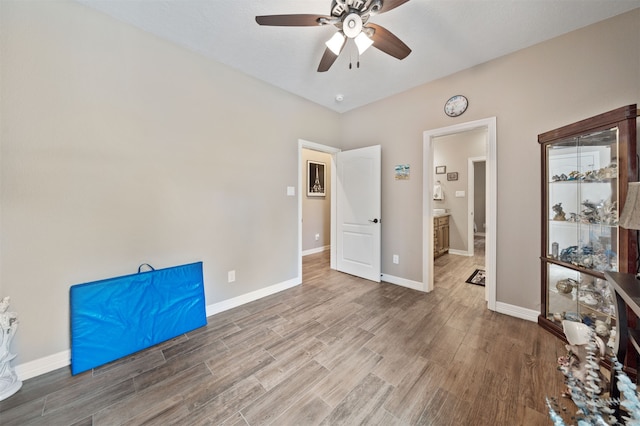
363,42
336,42
352,25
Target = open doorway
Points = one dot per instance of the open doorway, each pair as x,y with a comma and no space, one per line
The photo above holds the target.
355,232
460,196
477,203
355,174
316,201
307,242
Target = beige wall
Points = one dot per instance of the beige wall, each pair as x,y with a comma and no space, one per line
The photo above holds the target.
119,148
316,211
566,79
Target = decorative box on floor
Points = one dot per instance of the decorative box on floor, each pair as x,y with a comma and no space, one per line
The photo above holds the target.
119,316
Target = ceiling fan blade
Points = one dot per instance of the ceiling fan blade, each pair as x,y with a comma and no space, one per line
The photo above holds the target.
291,20
328,58
384,40
387,5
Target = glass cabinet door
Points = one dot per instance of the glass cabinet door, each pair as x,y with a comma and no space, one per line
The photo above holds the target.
579,296
582,198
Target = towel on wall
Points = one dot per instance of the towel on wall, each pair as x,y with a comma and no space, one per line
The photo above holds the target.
437,192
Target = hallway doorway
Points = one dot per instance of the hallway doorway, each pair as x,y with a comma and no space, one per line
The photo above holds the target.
477,201
303,147
491,203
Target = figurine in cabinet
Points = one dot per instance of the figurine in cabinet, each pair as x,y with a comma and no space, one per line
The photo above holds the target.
559,214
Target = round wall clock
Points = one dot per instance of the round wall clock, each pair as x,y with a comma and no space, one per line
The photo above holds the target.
456,105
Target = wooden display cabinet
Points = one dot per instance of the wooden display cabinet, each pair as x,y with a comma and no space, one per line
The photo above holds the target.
586,168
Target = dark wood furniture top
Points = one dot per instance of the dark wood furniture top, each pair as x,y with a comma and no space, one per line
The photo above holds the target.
627,290
628,287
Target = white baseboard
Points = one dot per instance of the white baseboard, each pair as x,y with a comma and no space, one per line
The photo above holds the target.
517,311
502,308
415,285
43,365
49,363
225,305
315,250
459,252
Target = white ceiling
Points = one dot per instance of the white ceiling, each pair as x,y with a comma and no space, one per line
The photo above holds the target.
445,36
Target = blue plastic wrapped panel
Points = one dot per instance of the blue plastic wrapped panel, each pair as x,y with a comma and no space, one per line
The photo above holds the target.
116,317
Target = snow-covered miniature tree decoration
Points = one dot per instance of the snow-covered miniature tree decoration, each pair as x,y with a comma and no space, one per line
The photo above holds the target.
555,417
629,393
9,383
585,383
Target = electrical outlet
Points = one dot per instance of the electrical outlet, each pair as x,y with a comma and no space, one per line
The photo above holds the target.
231,275
317,237
396,259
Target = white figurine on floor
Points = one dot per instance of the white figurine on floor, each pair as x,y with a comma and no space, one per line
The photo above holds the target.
9,383
576,362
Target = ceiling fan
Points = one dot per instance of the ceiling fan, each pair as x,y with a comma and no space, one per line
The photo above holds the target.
351,17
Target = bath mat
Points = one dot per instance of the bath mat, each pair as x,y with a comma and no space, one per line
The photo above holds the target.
477,277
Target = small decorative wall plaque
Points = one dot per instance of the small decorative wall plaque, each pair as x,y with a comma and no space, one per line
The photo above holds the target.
402,172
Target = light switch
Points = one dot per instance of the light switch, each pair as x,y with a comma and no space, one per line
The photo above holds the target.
291,191
459,194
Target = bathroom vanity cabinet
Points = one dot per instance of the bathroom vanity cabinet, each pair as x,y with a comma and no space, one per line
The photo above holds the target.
440,235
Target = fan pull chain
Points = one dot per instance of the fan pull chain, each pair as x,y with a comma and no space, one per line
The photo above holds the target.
351,58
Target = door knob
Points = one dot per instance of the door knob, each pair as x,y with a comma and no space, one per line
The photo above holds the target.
374,220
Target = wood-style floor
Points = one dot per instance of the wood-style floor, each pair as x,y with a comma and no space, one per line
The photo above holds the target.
336,350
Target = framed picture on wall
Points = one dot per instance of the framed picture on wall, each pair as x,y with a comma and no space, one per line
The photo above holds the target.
440,170
316,177
452,176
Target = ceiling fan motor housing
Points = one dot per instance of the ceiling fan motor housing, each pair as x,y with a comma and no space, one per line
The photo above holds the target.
360,7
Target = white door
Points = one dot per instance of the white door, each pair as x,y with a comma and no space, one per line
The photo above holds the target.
358,212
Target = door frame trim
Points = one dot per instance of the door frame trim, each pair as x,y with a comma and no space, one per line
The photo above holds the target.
427,202
304,144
